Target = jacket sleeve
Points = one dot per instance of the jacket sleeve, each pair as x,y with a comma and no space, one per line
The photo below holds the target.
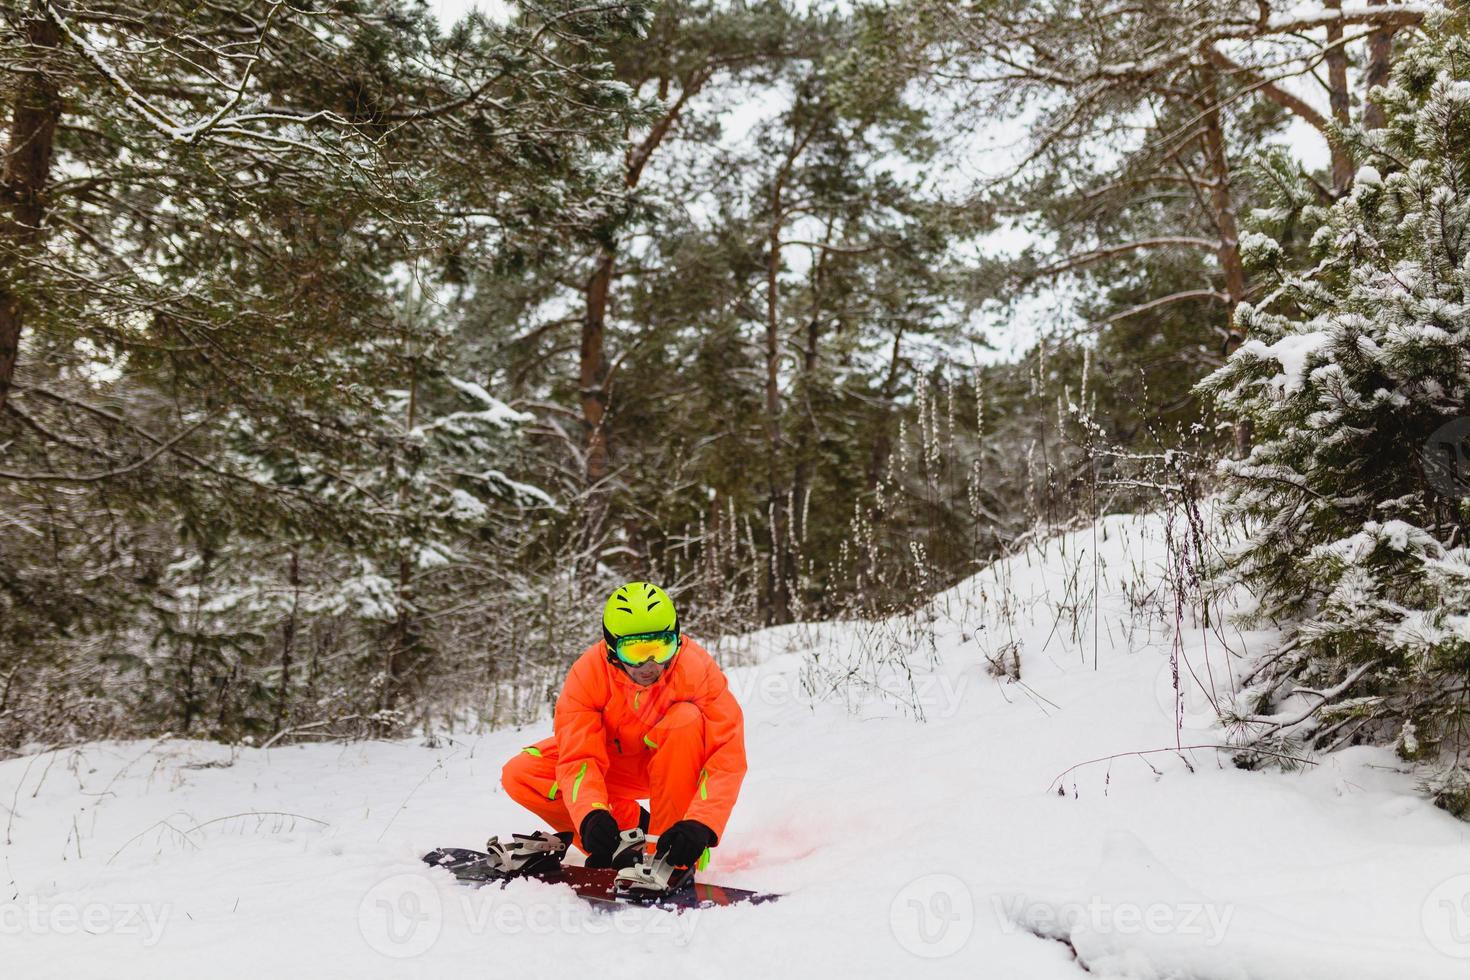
581,741
724,766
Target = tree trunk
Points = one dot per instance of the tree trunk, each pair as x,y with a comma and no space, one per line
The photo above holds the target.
1337,86
801,483
883,442
1380,59
592,393
802,478
592,375
805,469
23,183
1222,204
288,642
778,585
403,640
777,607
191,694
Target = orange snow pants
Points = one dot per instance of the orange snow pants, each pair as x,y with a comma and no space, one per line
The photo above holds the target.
666,776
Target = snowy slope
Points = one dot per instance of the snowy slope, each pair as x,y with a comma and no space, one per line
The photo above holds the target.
937,848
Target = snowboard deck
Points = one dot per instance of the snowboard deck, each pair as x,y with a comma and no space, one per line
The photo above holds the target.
594,885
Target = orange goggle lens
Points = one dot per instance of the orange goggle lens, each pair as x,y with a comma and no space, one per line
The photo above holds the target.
643,647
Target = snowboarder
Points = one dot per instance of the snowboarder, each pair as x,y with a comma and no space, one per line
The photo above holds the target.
645,713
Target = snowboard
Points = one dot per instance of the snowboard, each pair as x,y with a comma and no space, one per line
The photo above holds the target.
594,885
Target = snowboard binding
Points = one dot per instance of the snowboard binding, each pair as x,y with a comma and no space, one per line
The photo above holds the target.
525,854
646,878
630,849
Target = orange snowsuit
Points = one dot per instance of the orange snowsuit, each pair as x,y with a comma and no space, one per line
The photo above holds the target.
679,743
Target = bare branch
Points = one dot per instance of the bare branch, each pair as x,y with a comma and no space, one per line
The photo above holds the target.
159,450
1098,255
841,249
1267,88
1178,297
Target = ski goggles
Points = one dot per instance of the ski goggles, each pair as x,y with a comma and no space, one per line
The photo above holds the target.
640,648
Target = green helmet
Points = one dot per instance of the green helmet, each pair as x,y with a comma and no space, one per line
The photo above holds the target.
638,607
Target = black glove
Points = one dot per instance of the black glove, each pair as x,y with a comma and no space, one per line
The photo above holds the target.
684,842
599,838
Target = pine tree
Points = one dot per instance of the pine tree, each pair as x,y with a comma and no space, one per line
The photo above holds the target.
1356,379
206,215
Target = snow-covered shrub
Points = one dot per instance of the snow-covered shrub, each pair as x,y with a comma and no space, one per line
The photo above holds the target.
1354,374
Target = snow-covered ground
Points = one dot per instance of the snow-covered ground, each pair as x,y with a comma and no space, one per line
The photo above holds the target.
937,847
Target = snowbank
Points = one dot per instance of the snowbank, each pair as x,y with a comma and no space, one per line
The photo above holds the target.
978,842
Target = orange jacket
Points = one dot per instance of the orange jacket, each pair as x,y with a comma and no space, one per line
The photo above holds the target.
602,717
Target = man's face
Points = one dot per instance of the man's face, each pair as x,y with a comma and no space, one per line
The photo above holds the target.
645,674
